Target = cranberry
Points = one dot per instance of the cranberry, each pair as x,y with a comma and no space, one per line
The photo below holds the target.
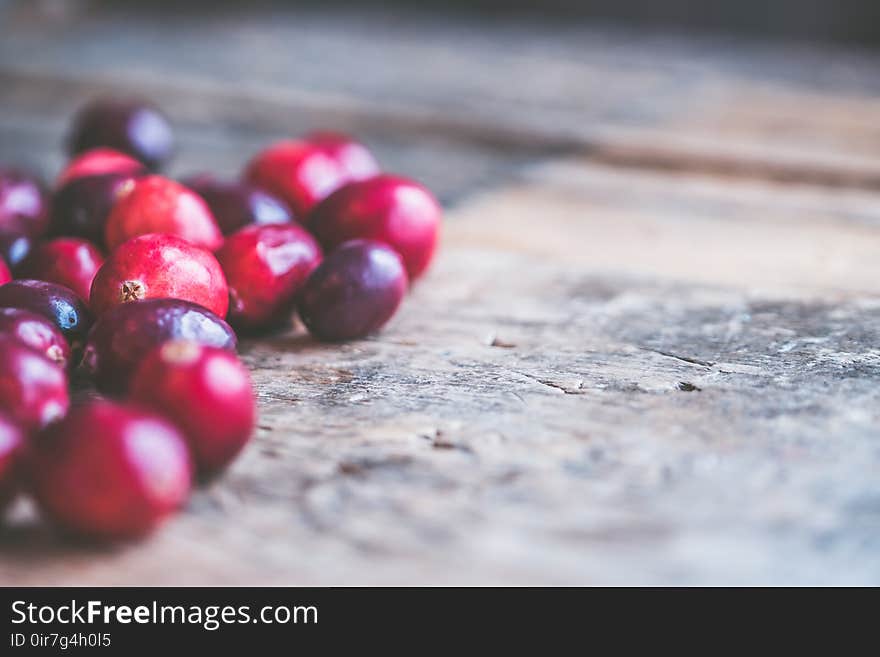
206,392
160,266
159,205
24,204
354,291
100,161
354,158
5,275
125,334
81,206
36,332
14,247
11,444
127,125
59,304
110,470
265,267
301,173
391,209
236,204
67,261
33,389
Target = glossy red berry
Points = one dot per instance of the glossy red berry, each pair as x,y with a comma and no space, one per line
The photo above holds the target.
160,267
33,389
354,291
159,205
61,305
206,392
37,332
11,449
109,470
68,261
24,204
390,209
128,125
353,157
236,204
123,336
301,173
99,162
265,267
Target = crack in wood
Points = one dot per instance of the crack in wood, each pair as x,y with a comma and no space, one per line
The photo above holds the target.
685,359
578,390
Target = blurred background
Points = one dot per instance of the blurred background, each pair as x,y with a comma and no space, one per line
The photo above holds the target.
826,19
459,93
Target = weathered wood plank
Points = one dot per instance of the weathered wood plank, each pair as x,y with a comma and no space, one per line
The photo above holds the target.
757,235
567,420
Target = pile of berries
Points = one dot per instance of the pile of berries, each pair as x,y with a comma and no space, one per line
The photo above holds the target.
138,284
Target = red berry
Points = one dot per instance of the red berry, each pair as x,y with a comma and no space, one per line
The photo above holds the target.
37,332
159,205
124,335
160,267
237,204
33,389
390,209
354,158
61,305
301,173
24,204
354,291
81,206
5,275
128,125
206,392
100,161
110,470
11,444
68,261
265,267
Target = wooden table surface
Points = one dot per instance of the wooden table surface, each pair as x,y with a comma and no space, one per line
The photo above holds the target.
648,351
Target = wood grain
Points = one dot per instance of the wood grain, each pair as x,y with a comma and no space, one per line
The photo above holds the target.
530,419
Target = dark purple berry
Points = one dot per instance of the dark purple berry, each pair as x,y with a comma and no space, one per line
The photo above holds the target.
57,303
15,247
127,125
127,332
81,206
237,204
354,291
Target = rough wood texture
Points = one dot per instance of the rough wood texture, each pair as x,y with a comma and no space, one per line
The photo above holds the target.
623,369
